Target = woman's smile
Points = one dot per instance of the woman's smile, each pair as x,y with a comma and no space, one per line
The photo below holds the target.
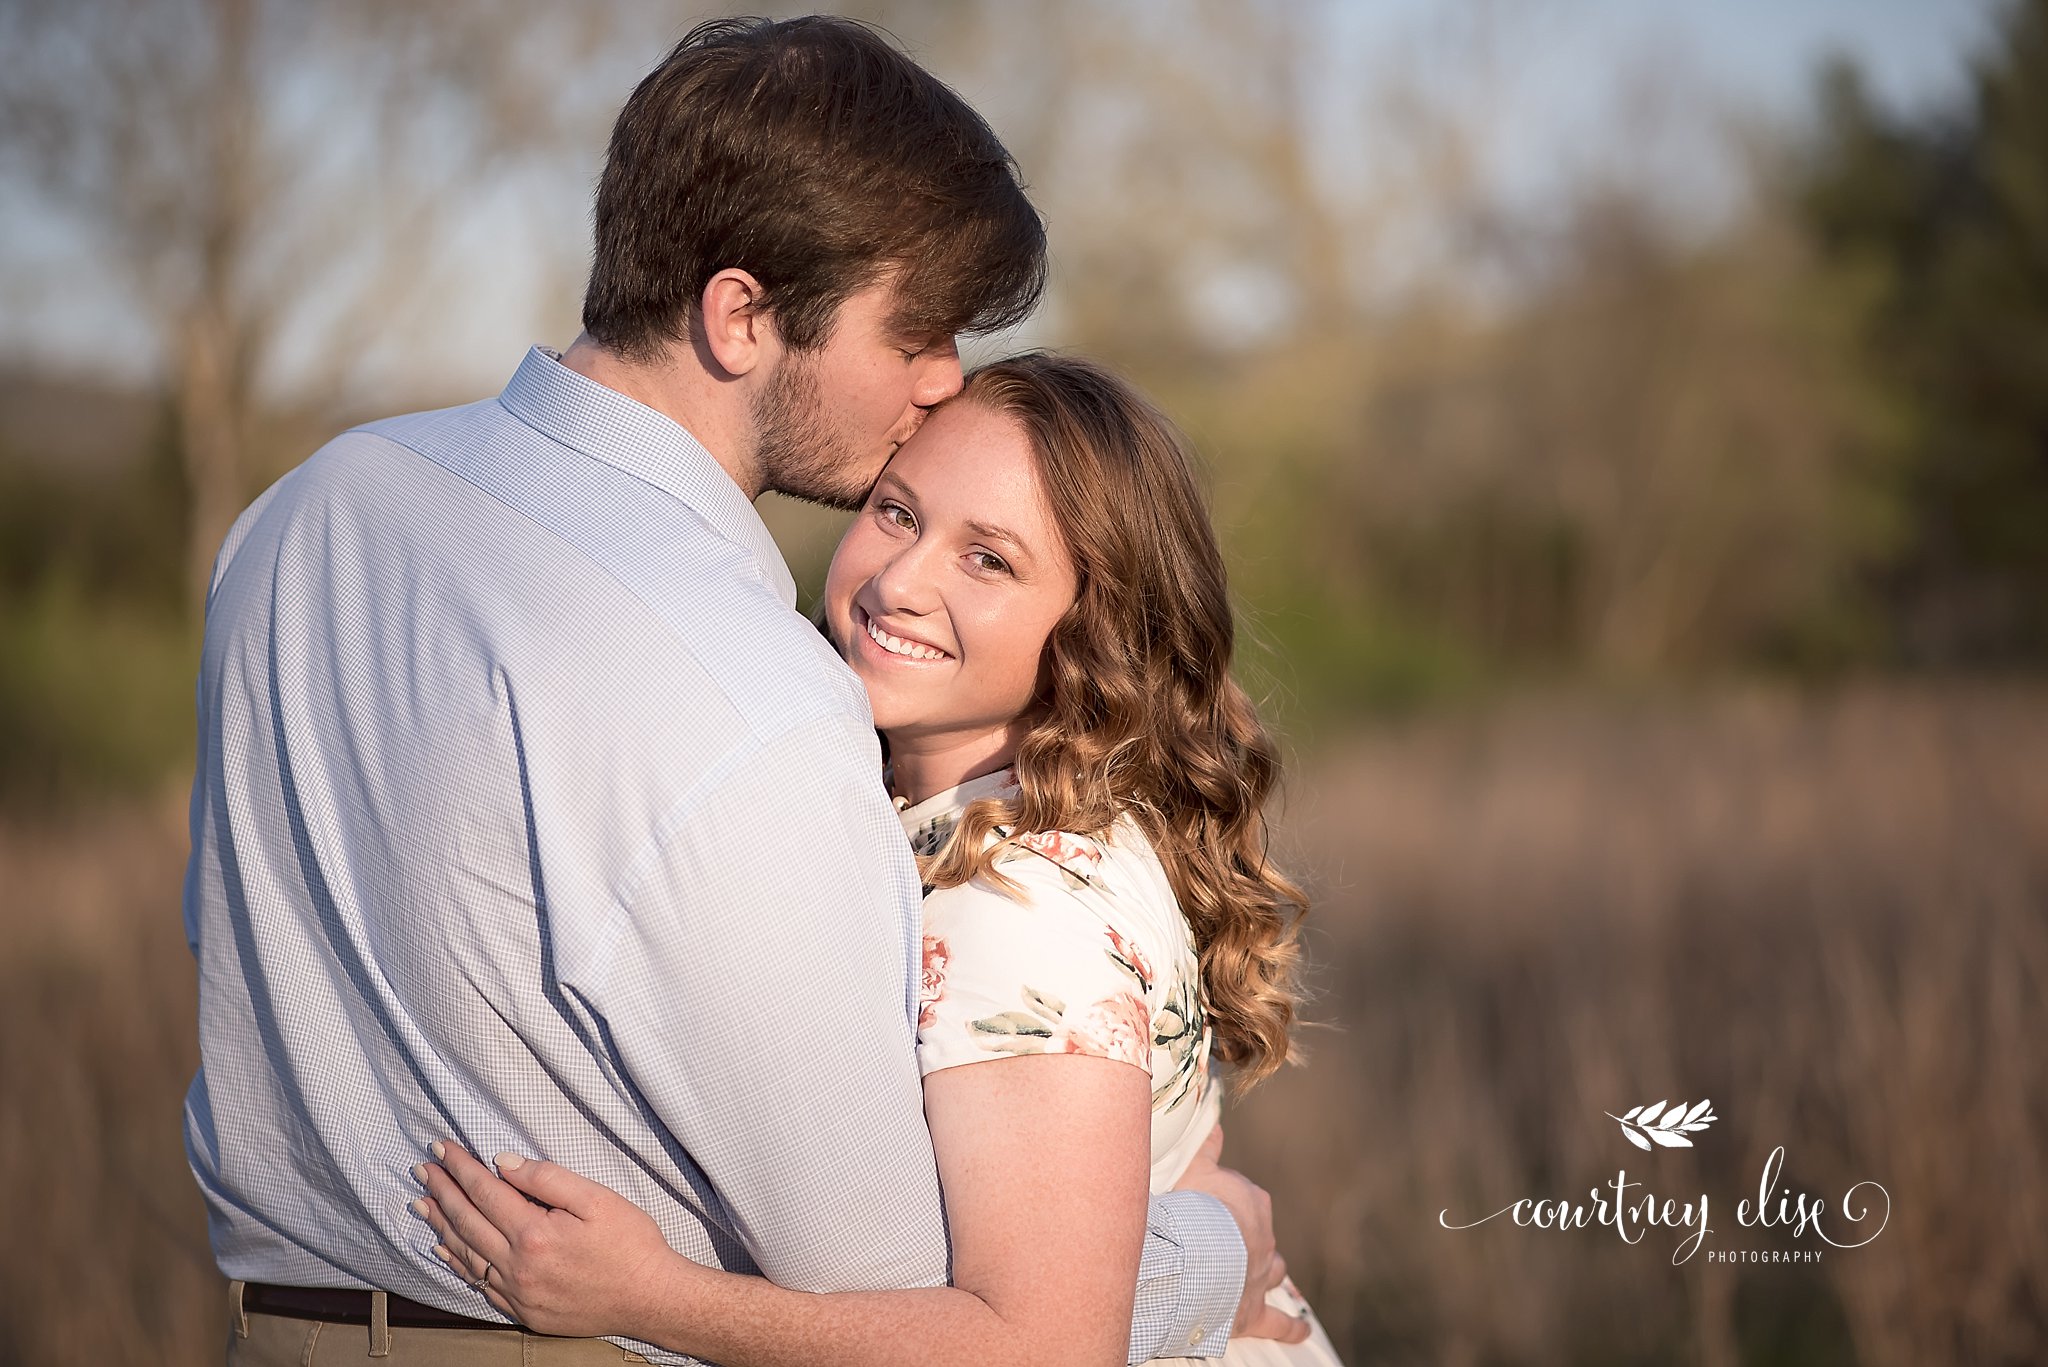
905,649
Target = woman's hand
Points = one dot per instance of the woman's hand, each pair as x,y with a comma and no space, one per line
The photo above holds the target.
583,1262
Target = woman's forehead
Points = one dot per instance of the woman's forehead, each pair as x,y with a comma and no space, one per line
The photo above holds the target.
973,463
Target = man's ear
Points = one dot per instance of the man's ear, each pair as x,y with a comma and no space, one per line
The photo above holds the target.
738,330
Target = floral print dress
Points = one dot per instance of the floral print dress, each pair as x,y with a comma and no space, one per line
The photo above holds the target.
1092,956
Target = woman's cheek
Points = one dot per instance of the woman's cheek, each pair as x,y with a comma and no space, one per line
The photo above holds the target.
1022,651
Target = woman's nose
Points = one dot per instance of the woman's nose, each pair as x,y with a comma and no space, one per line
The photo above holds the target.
906,584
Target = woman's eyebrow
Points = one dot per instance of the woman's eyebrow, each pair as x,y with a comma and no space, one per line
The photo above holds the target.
994,533
989,531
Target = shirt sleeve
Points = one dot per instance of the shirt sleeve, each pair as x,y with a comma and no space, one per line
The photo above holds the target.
1190,1278
1036,973
759,996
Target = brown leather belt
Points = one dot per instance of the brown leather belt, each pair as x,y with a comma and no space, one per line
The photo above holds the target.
339,1305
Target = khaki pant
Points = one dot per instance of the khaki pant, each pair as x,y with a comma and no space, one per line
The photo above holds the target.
280,1341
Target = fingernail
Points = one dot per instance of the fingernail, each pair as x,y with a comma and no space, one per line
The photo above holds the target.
419,1173
507,1162
441,1252
438,1149
419,1207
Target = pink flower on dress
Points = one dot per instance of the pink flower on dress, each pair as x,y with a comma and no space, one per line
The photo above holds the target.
1130,957
1118,1027
933,985
1076,854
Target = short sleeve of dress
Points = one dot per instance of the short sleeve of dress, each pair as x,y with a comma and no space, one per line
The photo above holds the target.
1044,972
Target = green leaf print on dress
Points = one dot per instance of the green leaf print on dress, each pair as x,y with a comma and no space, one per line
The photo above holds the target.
1117,1027
1178,1027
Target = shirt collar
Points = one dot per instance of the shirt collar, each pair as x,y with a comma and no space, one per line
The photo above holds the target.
605,425
932,820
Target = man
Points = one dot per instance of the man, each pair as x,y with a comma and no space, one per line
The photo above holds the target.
529,811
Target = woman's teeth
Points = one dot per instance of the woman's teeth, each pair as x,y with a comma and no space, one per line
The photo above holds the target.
896,645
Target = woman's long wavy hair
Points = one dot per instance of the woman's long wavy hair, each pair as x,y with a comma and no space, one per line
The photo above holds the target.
1135,709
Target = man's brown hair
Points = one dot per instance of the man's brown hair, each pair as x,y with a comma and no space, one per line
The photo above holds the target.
817,157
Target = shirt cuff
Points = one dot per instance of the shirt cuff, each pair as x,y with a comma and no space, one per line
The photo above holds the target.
1190,1278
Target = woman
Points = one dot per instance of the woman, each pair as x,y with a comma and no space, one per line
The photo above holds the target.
1034,601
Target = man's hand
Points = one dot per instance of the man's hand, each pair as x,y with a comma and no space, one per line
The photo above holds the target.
1264,1267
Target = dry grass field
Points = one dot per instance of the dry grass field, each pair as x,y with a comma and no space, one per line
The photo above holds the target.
1830,915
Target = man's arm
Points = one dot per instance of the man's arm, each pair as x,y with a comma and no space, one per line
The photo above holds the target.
1044,1159
1250,1212
1190,1278
756,986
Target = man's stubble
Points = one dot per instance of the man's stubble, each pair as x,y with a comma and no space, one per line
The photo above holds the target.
799,451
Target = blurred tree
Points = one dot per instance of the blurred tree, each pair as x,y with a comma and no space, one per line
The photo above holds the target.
1446,435
1667,463
1943,222
264,172
1219,177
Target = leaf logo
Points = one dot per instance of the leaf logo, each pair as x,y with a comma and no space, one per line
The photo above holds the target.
1657,1124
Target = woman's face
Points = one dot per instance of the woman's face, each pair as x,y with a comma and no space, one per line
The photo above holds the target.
952,576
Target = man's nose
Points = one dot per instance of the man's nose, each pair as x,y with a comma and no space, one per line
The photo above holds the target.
941,377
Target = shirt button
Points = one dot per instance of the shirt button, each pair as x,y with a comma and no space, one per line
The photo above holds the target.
1195,1338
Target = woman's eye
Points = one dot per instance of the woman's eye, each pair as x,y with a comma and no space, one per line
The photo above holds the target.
989,561
896,515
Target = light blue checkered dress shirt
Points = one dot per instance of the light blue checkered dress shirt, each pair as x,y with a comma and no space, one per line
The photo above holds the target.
529,811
